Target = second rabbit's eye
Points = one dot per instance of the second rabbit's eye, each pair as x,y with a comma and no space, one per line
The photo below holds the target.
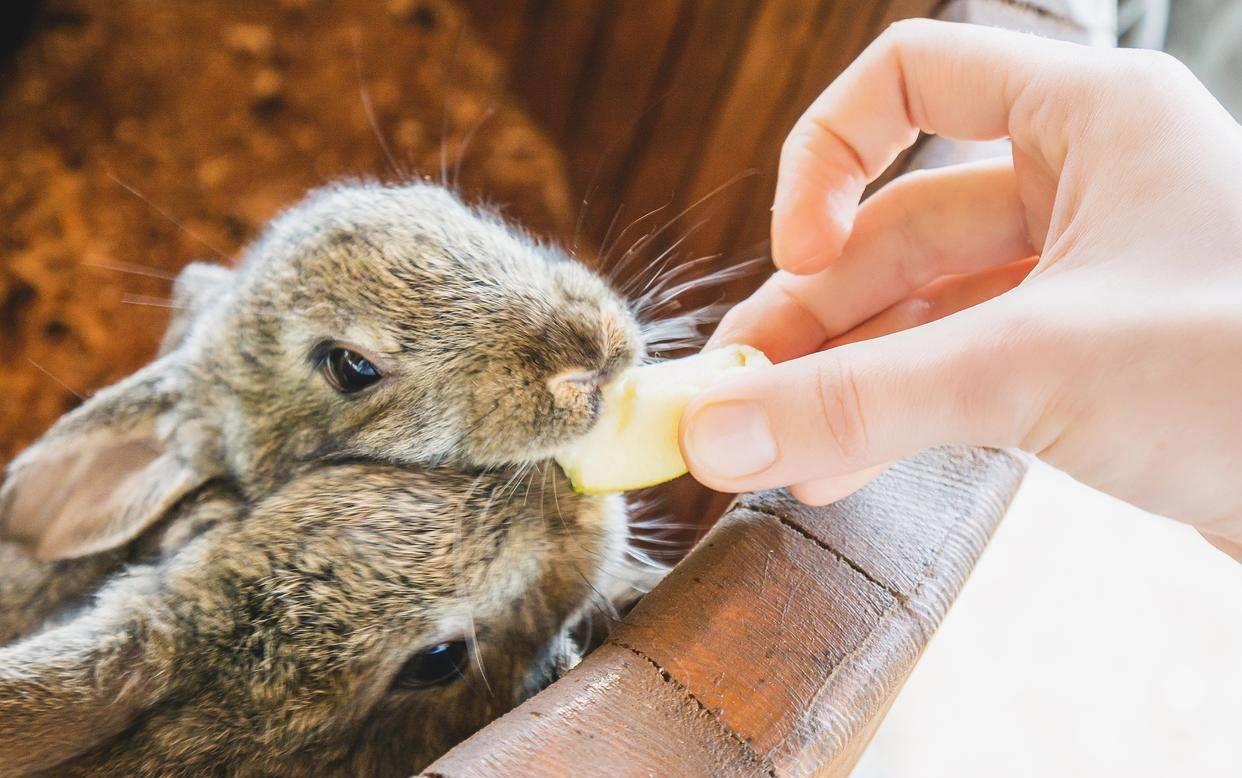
439,664
348,371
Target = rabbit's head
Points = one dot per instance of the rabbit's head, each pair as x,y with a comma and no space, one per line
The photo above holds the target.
359,621
386,323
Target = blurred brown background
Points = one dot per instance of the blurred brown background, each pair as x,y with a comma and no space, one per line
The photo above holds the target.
138,136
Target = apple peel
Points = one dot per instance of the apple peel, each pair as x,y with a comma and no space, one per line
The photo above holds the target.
635,443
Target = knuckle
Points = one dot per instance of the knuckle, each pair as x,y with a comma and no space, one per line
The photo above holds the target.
807,141
1158,63
800,138
1145,77
842,411
787,288
899,32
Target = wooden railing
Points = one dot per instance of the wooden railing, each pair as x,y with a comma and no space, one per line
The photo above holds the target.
777,646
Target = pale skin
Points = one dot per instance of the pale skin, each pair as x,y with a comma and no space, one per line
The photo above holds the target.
1081,300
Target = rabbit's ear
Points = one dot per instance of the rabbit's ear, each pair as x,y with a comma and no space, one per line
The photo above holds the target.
75,686
108,470
199,285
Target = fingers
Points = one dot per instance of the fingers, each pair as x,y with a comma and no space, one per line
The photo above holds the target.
1230,547
953,220
829,490
955,80
969,378
942,297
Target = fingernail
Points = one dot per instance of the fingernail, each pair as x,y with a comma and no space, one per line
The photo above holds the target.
731,439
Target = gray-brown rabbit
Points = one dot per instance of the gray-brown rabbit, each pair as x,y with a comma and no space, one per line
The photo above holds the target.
359,621
319,534
386,323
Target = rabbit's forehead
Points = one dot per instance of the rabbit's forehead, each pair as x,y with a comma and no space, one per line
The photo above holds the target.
411,261
418,226
402,243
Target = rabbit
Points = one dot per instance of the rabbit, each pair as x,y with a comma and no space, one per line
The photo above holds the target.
330,599
388,323
359,620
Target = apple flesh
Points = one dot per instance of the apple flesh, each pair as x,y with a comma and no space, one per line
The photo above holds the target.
634,444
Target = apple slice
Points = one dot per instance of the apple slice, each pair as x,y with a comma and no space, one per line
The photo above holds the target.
634,444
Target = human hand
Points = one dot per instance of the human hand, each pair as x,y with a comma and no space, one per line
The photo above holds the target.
1118,356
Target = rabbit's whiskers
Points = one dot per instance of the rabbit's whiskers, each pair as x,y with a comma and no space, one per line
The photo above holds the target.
634,131
607,248
130,298
466,140
661,294
661,261
130,267
167,215
365,96
648,239
476,652
450,72
61,383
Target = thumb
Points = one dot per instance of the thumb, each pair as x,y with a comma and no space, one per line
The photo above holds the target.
970,378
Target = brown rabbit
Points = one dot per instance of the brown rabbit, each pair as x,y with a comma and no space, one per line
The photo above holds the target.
386,323
279,572
359,621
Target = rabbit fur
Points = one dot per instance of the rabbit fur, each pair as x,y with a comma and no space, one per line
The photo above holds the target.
222,565
264,639
470,321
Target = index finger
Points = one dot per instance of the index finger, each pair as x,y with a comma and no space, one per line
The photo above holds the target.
957,80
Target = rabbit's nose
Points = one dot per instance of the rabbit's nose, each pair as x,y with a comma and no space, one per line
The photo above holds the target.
577,392
575,381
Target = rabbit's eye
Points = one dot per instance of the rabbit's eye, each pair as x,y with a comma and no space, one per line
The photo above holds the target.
348,371
440,664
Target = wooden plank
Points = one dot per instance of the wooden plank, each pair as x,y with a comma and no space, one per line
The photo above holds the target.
872,530
659,164
793,640
723,633
557,46
770,62
616,715
614,105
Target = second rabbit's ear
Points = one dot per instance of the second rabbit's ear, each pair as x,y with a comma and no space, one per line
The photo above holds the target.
199,285
108,470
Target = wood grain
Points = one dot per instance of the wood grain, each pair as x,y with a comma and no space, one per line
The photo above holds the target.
624,717
791,627
664,105
725,633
